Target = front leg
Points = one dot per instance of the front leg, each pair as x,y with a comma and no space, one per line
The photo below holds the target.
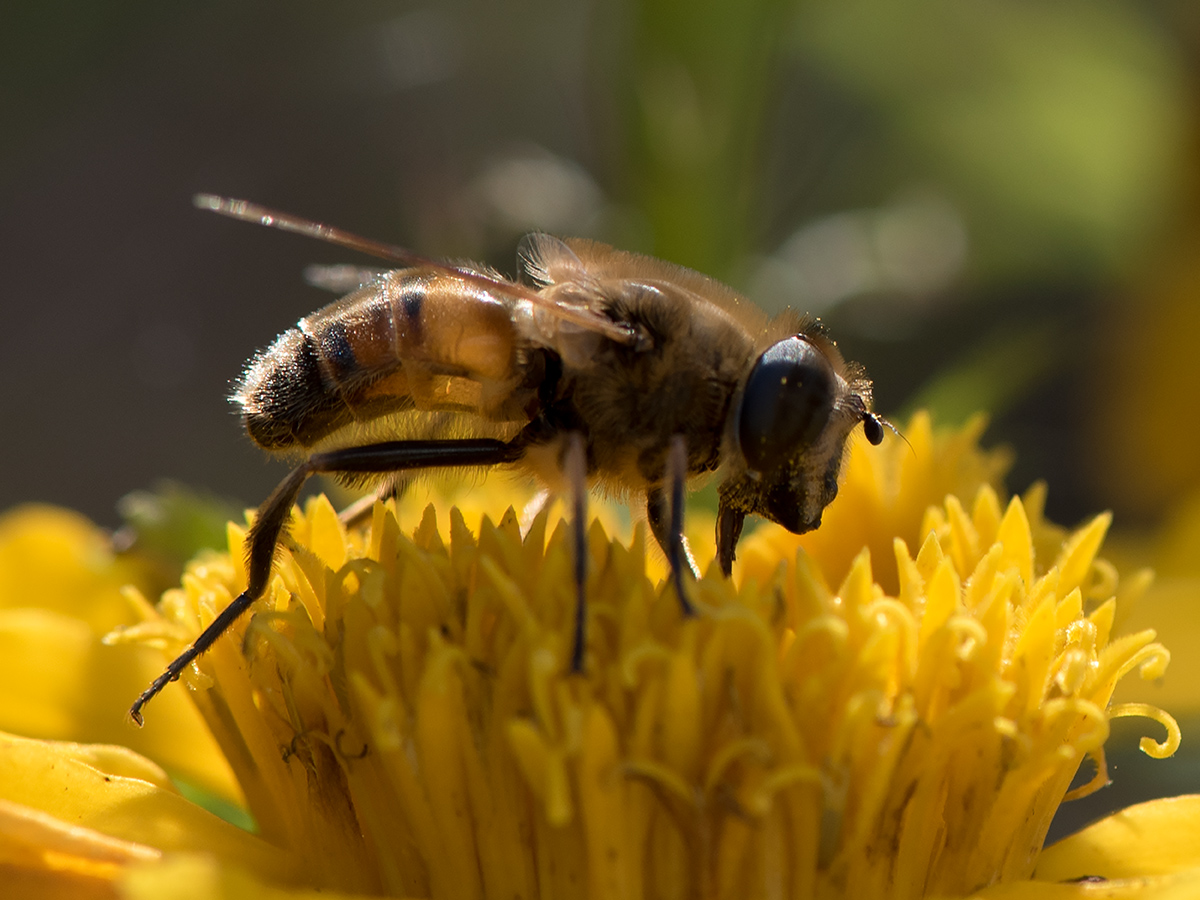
729,530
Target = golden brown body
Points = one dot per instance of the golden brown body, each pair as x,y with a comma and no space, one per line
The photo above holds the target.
377,363
619,368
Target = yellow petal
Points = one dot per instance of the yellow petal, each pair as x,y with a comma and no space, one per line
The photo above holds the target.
1015,536
328,534
44,857
1180,886
36,883
186,876
116,792
56,559
58,681
1160,837
1075,559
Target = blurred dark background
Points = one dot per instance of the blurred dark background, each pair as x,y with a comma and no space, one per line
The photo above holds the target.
992,204
971,195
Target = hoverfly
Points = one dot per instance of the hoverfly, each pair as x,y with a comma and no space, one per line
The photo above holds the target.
597,366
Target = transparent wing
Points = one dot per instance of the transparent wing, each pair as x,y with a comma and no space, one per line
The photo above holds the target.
580,315
340,278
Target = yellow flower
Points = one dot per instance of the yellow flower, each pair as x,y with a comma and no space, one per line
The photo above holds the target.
892,707
61,590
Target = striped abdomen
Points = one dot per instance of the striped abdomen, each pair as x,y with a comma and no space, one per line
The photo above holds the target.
411,340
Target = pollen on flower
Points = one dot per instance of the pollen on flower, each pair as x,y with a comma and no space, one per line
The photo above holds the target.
402,711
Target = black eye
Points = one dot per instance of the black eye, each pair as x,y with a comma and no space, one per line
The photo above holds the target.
788,399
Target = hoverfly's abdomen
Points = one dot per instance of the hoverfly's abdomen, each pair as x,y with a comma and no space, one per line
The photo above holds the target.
409,341
283,395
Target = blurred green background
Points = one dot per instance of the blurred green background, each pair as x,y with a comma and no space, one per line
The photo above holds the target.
993,204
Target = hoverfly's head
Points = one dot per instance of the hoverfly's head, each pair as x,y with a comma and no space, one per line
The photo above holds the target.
799,404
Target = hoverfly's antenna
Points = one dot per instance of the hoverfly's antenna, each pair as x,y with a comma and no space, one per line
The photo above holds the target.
873,428
246,211
873,425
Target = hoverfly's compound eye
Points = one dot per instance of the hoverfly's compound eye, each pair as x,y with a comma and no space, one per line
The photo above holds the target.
788,399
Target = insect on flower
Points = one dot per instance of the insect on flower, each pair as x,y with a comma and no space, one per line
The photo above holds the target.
597,367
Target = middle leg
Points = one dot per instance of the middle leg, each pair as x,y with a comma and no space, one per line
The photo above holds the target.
664,510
